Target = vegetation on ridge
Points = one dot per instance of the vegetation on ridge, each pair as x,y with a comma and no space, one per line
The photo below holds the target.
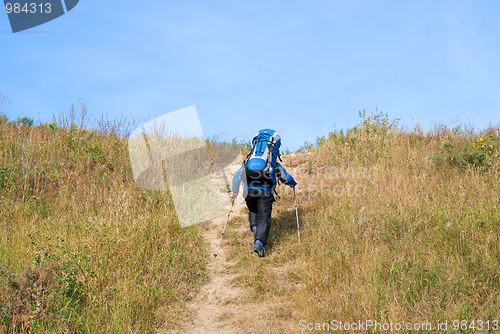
397,225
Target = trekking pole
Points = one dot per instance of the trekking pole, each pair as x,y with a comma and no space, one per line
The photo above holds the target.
224,227
296,213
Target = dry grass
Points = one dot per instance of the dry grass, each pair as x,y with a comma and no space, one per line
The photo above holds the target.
396,225
389,231
117,257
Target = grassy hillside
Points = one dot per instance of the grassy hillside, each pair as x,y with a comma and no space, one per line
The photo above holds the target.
82,249
397,226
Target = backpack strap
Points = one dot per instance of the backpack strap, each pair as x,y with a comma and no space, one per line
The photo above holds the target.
269,155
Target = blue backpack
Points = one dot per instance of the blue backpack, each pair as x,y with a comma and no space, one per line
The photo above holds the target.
260,163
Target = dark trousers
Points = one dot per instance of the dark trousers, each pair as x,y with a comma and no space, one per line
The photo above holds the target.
260,205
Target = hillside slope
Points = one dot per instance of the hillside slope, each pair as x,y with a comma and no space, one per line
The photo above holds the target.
397,226
82,248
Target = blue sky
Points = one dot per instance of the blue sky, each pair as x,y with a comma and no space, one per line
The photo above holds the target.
303,68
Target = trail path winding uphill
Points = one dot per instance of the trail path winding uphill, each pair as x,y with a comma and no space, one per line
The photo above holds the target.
221,306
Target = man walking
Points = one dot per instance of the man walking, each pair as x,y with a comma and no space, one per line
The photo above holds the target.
260,174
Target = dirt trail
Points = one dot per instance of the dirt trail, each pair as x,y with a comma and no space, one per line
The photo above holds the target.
218,304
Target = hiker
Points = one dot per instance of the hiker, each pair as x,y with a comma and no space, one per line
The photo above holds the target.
260,173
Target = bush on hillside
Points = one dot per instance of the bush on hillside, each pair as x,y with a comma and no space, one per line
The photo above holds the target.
465,154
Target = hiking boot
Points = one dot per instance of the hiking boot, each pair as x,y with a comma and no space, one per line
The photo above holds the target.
259,248
254,228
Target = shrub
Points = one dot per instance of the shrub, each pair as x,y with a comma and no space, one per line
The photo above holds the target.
36,298
25,121
464,154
